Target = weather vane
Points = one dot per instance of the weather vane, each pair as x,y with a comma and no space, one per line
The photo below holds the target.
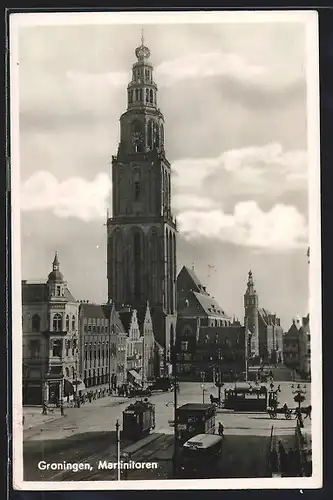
142,37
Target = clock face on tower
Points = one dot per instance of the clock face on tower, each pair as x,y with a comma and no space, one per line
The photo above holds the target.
137,138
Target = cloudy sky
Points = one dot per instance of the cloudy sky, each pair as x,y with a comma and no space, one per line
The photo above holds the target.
234,101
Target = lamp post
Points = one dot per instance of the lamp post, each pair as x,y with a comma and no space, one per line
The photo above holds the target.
203,393
118,449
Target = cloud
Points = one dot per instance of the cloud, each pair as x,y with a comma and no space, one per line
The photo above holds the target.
196,65
257,170
74,197
282,228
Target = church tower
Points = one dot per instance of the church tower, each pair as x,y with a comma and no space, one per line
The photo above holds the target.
141,254
251,321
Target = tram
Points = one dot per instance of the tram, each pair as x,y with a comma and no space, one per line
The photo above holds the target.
193,419
200,455
247,398
138,420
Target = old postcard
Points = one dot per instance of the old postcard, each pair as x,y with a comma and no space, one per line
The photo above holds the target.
166,326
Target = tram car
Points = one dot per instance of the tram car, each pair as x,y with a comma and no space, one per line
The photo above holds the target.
193,419
246,398
138,420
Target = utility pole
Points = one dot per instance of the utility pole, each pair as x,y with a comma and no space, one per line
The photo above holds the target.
118,449
203,386
175,391
219,375
109,353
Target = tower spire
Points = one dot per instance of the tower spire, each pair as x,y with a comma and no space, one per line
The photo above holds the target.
142,38
55,264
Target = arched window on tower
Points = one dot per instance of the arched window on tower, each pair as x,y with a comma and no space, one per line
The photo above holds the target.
156,136
151,96
119,278
154,244
162,134
147,95
67,323
137,250
141,94
35,323
57,322
73,323
136,94
150,133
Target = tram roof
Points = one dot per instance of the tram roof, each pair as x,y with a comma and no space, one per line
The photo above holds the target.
195,406
203,440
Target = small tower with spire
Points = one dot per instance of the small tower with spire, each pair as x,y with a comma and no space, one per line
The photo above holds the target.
55,281
251,320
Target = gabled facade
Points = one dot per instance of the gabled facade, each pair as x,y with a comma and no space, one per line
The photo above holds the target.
51,342
297,347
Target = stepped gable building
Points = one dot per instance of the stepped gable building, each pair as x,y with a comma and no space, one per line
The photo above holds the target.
140,344
265,331
297,346
141,234
51,355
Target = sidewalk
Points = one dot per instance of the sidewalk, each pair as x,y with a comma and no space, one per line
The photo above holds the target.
33,416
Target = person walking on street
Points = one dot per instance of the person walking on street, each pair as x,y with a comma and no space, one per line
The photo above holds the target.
221,429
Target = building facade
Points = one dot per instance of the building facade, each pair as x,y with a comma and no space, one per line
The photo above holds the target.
51,341
141,234
198,315
305,349
101,331
297,347
291,345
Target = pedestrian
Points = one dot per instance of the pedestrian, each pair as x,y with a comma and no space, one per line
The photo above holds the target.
44,412
308,412
221,429
62,409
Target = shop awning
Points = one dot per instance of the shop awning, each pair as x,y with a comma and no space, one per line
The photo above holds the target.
72,386
134,374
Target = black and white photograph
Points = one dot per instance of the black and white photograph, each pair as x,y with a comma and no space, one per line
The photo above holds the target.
166,254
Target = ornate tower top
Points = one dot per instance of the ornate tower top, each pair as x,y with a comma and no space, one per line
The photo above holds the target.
55,274
55,265
142,52
250,285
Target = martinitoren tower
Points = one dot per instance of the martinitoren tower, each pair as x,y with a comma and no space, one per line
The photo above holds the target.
142,232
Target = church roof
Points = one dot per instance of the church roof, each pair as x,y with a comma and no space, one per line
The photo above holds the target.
210,306
192,280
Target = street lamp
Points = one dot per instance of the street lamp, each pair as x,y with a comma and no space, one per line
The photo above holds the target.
203,393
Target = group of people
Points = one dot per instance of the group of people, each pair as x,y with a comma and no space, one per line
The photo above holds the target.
89,396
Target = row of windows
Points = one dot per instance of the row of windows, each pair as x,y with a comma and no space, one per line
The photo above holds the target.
57,323
95,329
138,95
96,321
140,73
